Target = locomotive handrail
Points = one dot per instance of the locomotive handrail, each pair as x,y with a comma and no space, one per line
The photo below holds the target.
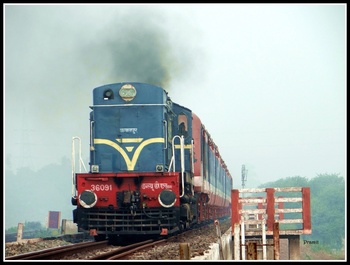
166,133
192,157
91,136
74,190
182,160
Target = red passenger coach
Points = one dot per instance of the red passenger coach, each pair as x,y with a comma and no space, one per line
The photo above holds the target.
214,192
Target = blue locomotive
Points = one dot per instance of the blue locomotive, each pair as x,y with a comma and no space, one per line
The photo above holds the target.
154,168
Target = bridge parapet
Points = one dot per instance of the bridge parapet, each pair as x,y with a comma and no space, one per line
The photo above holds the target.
290,207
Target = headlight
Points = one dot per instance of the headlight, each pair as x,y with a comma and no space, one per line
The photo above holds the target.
127,92
167,198
87,199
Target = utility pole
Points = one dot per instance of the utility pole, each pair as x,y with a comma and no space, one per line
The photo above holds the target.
244,176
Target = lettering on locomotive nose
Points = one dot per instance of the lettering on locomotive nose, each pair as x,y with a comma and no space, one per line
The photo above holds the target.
128,130
155,186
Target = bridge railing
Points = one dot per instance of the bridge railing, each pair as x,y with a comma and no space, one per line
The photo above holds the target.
290,207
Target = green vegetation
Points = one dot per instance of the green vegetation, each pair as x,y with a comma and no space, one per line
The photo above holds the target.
34,230
327,193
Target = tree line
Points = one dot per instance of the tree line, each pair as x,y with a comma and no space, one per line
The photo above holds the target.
327,192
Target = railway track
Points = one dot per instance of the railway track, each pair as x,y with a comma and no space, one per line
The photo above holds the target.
106,250
114,254
125,251
57,253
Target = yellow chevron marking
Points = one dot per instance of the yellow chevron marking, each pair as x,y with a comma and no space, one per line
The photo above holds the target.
129,148
129,163
129,140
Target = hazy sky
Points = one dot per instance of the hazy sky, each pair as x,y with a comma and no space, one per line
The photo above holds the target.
268,81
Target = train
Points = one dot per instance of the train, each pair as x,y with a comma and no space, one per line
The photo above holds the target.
154,169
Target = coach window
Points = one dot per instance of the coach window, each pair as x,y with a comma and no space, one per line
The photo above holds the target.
183,126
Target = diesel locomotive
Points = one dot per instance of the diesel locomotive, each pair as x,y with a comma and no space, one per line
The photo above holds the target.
154,169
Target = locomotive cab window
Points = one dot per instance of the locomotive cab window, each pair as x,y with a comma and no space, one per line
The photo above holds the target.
183,125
